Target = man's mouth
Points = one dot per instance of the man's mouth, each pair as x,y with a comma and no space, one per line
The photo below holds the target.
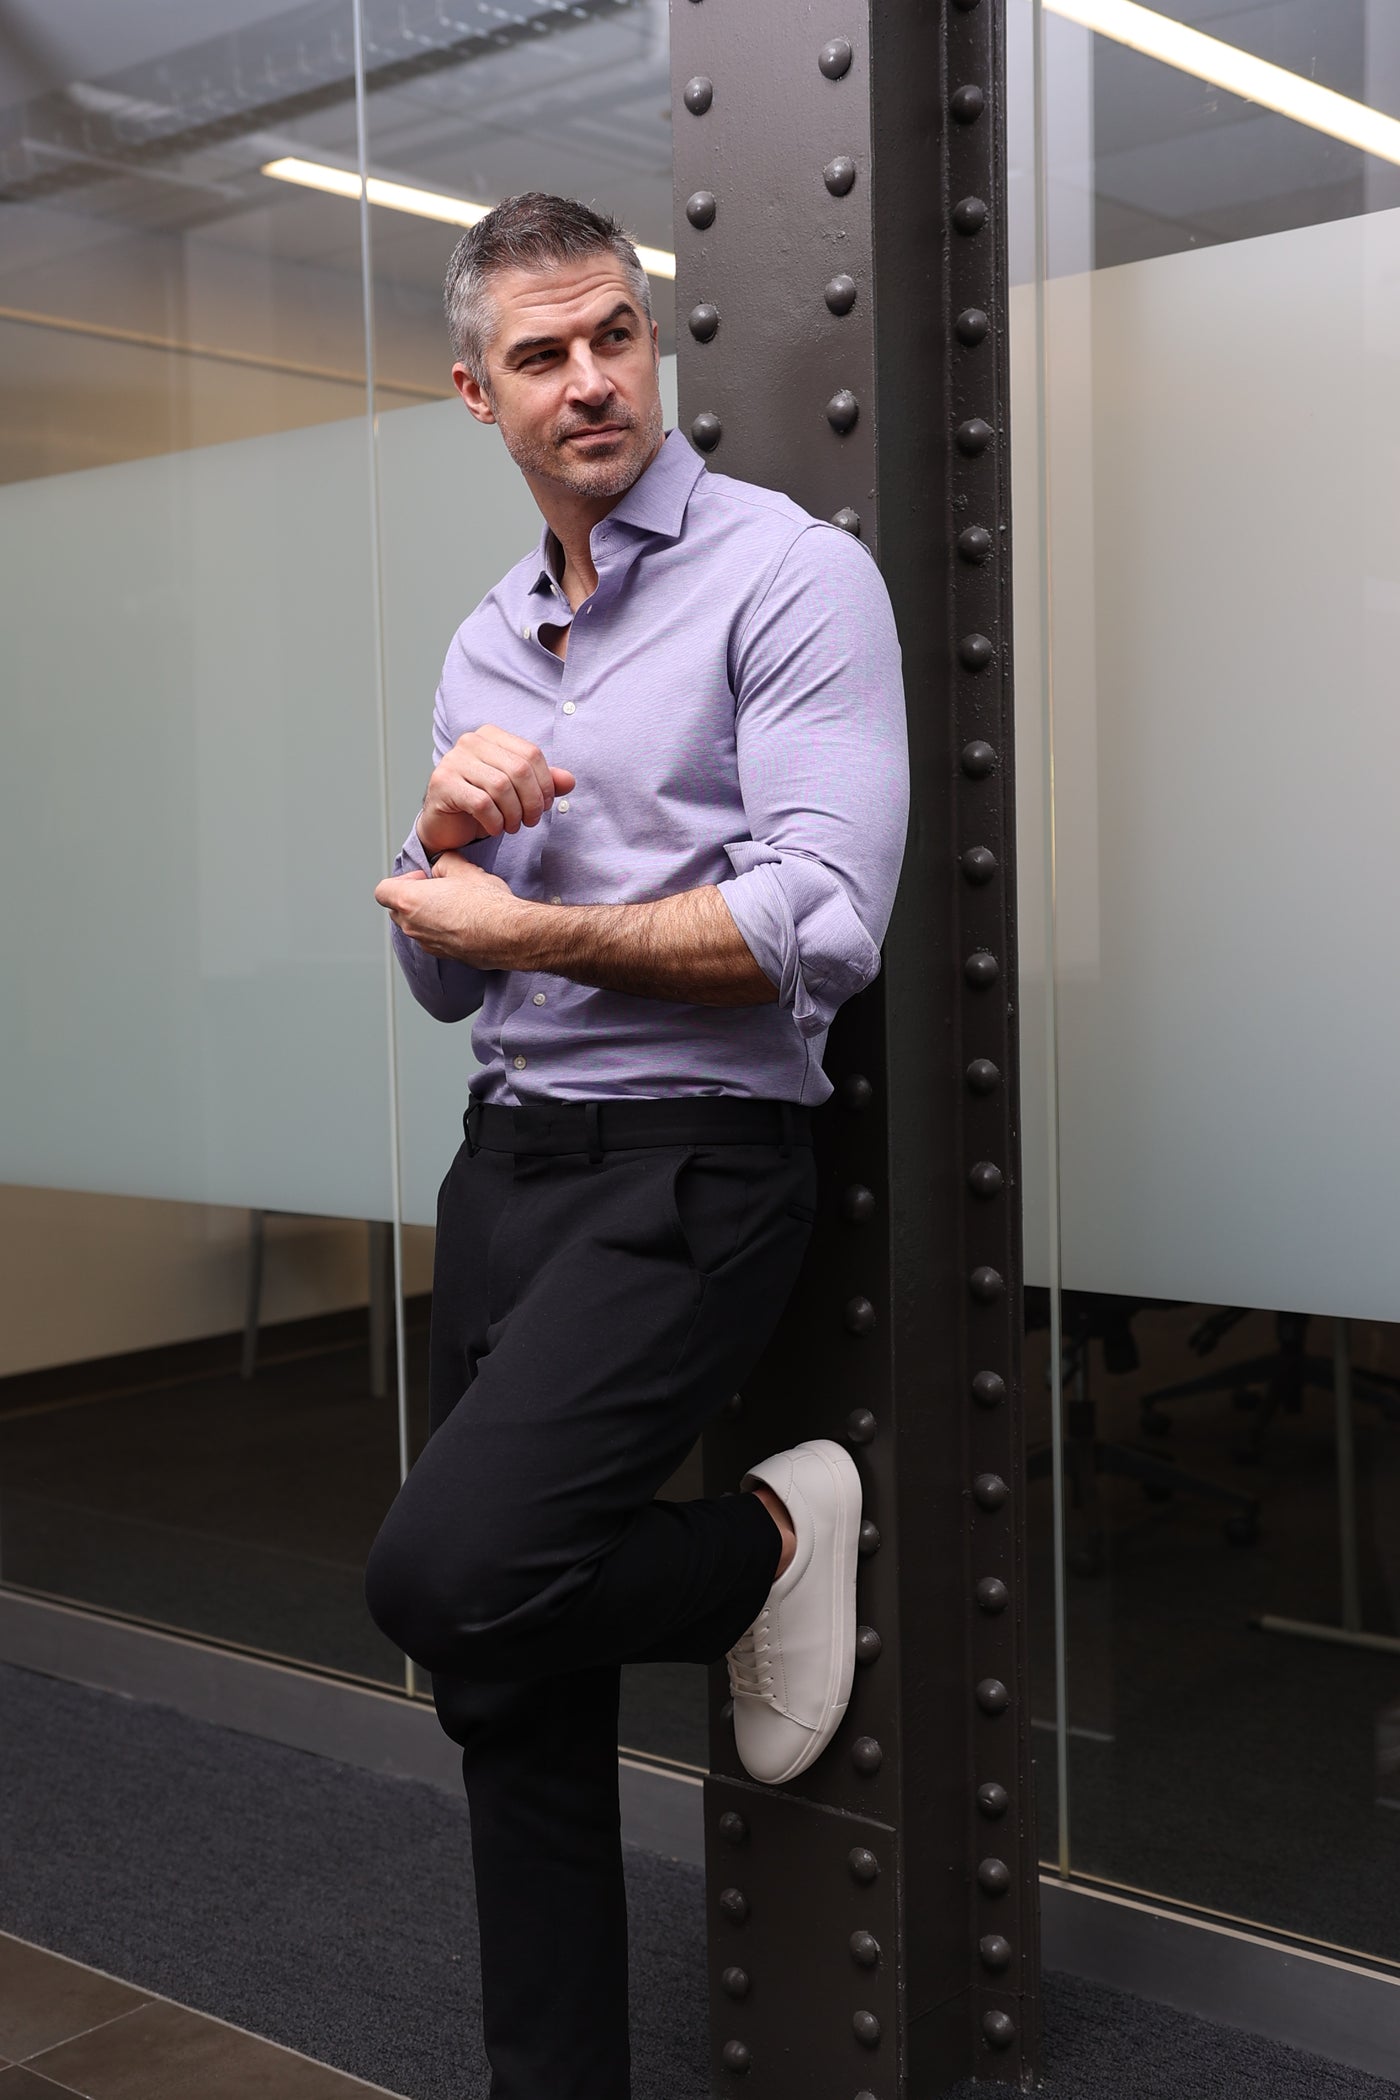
602,430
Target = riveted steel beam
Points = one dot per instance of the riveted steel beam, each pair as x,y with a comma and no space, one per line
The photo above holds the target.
841,317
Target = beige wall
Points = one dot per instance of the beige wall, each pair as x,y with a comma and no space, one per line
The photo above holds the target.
90,1276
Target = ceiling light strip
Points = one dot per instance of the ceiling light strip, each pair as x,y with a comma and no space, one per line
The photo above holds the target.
1238,72
423,204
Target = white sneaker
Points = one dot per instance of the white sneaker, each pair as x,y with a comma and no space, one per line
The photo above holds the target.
791,1673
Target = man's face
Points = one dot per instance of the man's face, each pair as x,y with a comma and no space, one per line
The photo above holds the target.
571,355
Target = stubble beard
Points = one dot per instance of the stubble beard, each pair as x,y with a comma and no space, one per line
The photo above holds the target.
553,460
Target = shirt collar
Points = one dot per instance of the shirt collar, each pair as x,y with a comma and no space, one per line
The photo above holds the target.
655,502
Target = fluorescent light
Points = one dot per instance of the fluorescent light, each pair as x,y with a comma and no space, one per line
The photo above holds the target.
1225,66
424,204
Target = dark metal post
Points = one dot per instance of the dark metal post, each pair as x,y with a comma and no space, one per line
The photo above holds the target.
841,313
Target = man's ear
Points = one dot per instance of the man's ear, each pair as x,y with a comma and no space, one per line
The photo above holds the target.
474,394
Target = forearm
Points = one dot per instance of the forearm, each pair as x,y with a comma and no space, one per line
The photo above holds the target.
685,947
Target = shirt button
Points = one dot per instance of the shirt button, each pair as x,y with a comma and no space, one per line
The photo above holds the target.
519,1064
526,633
556,900
562,803
568,707
539,998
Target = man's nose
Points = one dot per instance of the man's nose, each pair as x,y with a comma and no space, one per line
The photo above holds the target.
587,380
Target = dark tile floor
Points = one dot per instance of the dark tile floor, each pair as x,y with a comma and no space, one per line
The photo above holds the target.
68,2029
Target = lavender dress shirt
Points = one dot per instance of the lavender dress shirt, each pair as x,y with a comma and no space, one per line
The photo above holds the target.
732,710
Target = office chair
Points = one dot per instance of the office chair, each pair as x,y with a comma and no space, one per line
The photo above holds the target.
1089,1316
1284,1377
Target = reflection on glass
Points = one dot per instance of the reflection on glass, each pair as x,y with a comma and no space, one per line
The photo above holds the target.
1213,663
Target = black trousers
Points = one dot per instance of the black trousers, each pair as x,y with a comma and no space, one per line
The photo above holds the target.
606,1275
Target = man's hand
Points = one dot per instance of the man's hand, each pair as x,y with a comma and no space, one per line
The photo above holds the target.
458,911
489,782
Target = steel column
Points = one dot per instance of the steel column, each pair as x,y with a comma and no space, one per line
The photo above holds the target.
841,315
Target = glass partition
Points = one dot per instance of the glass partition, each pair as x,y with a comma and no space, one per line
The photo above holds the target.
197,1426
1205,430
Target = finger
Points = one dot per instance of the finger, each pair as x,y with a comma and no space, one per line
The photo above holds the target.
532,772
476,784
563,780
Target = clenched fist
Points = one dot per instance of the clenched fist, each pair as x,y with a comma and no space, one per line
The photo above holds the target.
489,782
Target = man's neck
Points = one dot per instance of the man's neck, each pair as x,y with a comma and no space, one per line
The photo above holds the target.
571,520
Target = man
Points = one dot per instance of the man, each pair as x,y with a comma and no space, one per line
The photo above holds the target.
658,849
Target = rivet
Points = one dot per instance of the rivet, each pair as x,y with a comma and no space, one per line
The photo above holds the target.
860,1426
859,1315
986,1178
856,1091
735,1982
863,1864
993,1877
983,1076
734,1406
973,436
974,545
865,1949
975,652
989,1388
991,1798
840,294
868,1644
839,175
989,1490
986,1284
705,430
992,1594
866,1754
971,326
735,1905
992,1696
995,1950
967,104
979,864
857,1204
704,321
969,214
700,209
732,1827
848,520
999,2027
835,58
842,410
699,94
981,968
869,1539
866,2028
735,2056
978,759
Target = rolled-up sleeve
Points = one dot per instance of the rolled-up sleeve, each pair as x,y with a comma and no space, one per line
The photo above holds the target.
449,990
824,773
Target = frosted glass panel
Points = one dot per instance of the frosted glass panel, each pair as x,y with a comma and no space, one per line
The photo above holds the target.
457,515
1224,432
192,812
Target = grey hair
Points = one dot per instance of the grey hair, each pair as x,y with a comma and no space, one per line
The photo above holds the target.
528,232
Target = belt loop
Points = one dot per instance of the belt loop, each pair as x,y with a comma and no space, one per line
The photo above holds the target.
471,1123
785,1115
595,1142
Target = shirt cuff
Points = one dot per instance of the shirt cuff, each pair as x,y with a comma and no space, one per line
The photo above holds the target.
801,929
448,990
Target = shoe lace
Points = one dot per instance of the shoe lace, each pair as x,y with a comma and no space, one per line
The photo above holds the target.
750,1671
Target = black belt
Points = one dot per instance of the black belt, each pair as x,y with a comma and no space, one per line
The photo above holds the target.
596,1127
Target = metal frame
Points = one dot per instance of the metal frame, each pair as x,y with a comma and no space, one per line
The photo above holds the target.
841,323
